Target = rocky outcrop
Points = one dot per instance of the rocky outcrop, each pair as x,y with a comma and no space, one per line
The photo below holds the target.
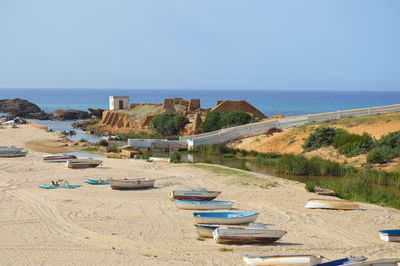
18,107
40,116
71,114
96,112
119,122
241,105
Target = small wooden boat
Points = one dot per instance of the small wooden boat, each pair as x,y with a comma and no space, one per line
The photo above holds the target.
282,260
201,194
324,192
377,262
11,154
160,159
97,182
331,204
83,163
10,148
343,261
63,184
205,231
143,160
203,205
390,235
225,217
58,158
139,183
255,233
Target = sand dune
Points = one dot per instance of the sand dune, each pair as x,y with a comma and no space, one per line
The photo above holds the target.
94,225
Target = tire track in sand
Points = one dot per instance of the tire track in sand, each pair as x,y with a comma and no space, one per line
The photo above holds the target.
62,227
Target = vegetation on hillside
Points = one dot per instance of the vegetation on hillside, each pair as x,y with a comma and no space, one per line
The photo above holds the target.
168,124
216,120
382,150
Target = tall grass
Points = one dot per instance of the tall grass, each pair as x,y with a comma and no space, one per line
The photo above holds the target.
373,186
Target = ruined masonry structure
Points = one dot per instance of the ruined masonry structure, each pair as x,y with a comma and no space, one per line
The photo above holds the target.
119,102
194,104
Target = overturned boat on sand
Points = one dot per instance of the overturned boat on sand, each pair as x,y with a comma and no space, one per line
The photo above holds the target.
58,158
331,204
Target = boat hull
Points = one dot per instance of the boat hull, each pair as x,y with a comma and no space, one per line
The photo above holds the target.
389,238
282,260
205,231
331,204
199,205
160,159
10,149
224,235
58,158
13,154
131,184
379,262
220,220
83,163
194,195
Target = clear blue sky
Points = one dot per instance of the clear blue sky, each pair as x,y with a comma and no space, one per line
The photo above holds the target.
221,44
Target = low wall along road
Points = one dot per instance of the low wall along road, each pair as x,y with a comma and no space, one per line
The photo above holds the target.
233,133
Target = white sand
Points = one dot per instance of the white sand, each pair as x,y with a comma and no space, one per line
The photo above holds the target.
94,225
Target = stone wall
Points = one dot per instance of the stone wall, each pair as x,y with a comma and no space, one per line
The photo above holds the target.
168,105
194,105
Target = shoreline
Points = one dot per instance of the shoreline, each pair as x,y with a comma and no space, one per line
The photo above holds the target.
97,225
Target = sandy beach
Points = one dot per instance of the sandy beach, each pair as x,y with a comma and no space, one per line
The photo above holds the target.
94,225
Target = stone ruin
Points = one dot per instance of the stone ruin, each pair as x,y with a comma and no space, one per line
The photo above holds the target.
191,106
241,105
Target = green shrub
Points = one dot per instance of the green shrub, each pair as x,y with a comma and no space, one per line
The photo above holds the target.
310,185
228,155
176,157
321,137
380,155
113,148
352,144
168,124
235,118
216,120
103,142
391,140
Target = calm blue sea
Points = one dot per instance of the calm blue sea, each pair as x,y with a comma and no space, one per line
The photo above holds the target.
269,102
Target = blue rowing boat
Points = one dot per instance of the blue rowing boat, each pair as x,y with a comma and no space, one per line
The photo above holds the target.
390,235
225,217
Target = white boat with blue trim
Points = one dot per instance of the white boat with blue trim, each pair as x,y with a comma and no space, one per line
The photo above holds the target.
200,194
225,217
390,235
254,233
203,205
302,260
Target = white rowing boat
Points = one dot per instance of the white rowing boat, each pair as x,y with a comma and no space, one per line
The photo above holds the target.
83,163
390,235
203,205
302,260
331,204
200,194
255,233
225,217
139,183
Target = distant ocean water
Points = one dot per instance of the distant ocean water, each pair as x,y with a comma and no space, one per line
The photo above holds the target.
269,102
